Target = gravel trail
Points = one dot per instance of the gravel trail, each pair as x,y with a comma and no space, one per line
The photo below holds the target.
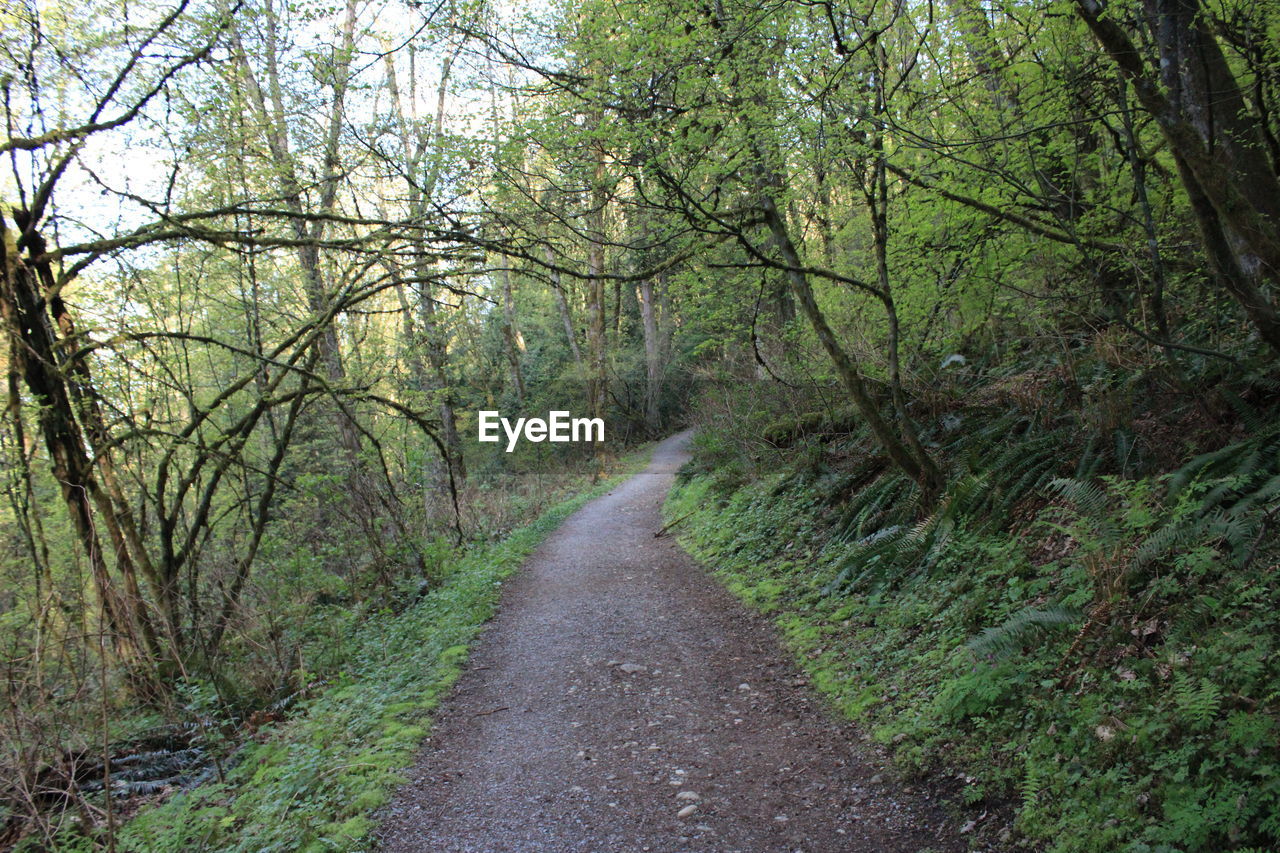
621,700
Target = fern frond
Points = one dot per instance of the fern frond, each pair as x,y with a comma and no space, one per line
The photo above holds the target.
1174,536
1089,499
1090,459
1197,700
1197,467
1260,495
1015,633
1033,479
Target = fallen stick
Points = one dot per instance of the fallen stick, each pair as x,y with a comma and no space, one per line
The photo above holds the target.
672,524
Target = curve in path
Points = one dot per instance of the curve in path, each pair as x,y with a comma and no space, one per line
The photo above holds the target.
621,700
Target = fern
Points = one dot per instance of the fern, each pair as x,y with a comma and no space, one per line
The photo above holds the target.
1125,449
872,559
1262,495
1248,460
1033,477
885,557
1169,538
1088,498
1032,782
1236,528
1197,700
1090,459
1020,630
880,504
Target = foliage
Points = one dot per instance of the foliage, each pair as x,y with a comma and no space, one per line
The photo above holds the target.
1021,631
1101,672
314,782
991,282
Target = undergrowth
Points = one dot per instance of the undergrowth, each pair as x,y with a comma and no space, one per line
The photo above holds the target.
314,782
1092,659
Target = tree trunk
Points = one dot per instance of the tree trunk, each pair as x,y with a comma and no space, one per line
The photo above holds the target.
309,231
652,357
845,363
511,337
35,353
562,306
597,383
436,344
422,154
877,198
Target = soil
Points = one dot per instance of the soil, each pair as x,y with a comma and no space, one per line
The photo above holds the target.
622,700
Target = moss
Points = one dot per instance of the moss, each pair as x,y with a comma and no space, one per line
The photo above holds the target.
785,432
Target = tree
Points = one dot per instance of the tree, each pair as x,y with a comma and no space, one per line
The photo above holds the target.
1216,141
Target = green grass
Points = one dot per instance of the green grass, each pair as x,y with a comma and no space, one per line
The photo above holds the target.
316,780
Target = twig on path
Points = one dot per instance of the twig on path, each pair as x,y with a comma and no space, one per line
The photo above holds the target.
671,524
493,711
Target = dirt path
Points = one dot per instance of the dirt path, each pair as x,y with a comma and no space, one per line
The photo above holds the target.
620,685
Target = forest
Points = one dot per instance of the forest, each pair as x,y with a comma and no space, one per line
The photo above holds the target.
972,307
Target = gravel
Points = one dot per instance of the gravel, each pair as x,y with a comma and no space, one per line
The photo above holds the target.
646,710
